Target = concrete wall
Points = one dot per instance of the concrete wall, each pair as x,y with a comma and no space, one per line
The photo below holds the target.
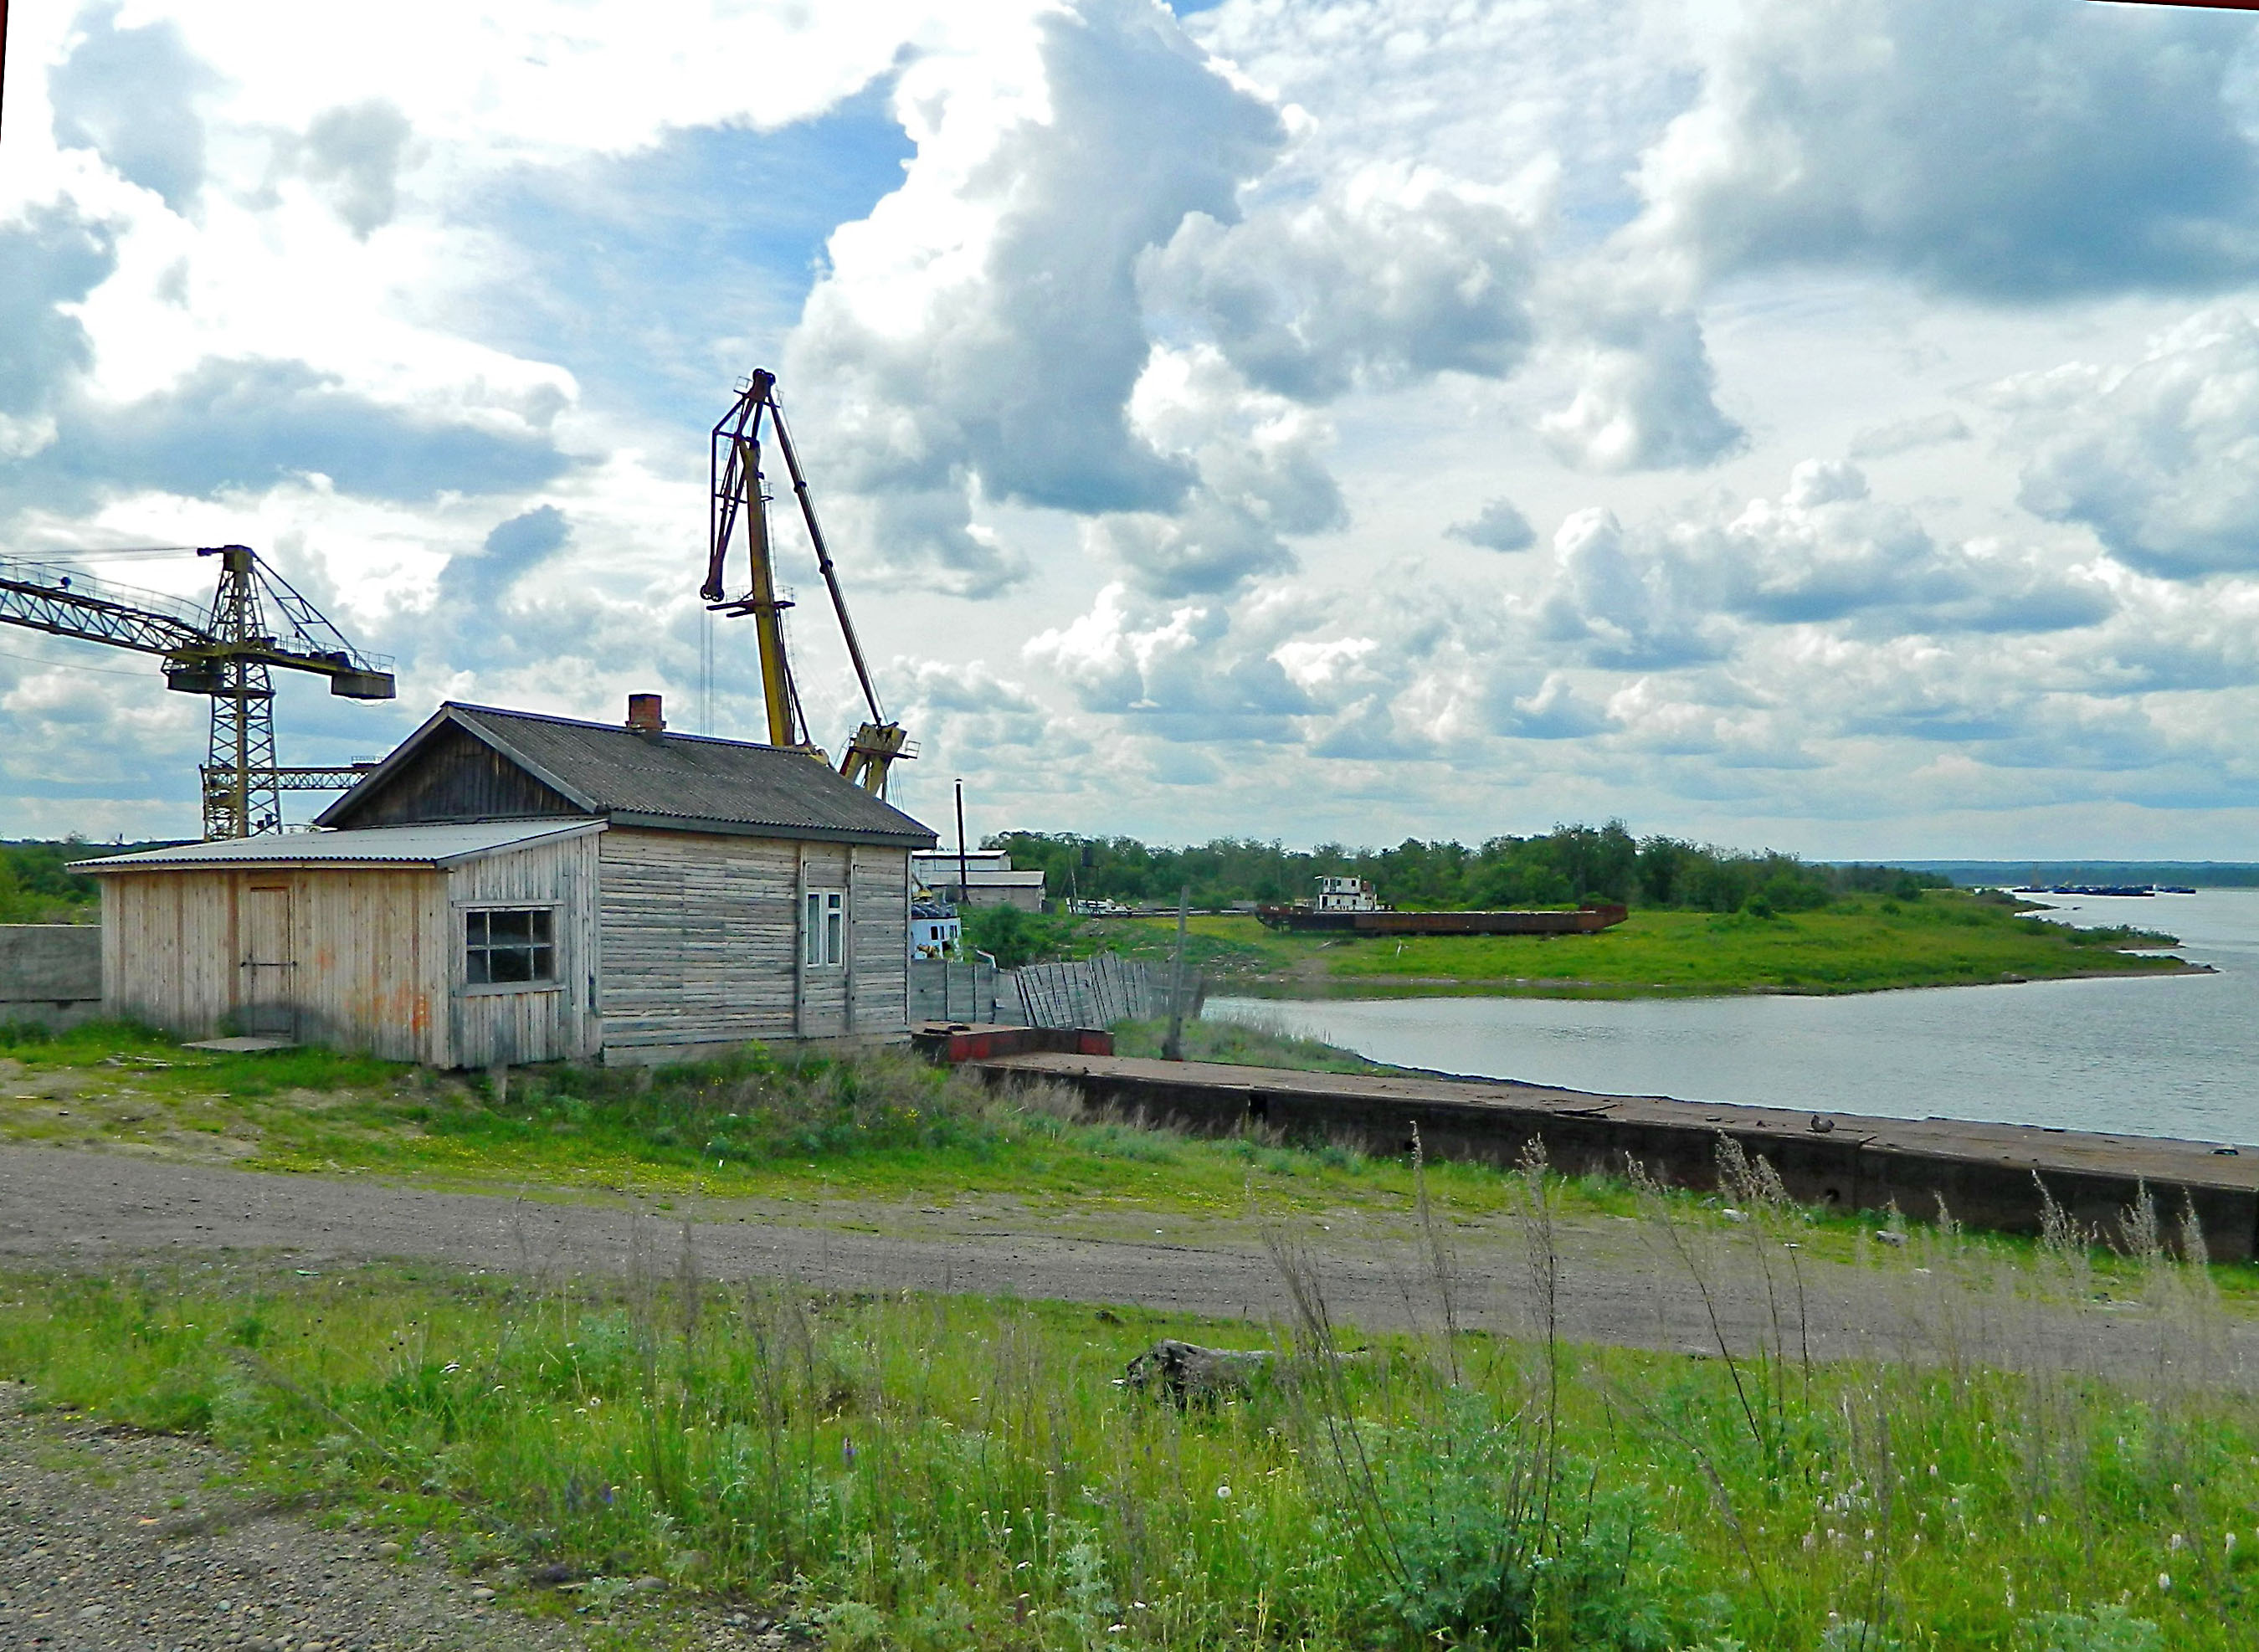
50,973
1987,1175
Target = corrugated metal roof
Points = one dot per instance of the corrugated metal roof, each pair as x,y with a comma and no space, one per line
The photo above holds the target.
690,782
378,846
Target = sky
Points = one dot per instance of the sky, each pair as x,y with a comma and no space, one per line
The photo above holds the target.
1823,425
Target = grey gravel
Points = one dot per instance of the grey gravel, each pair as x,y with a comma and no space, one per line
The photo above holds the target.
114,1540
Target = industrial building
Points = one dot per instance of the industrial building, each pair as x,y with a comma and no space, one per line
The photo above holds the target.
511,887
987,878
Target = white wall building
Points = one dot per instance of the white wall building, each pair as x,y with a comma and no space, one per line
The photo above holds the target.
988,878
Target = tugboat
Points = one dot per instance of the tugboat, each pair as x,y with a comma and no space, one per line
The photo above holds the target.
1346,906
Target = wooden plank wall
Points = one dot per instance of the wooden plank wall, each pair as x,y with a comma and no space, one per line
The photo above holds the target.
701,939
367,954
376,958
456,776
553,1025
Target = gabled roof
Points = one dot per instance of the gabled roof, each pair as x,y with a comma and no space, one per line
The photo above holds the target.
680,782
379,846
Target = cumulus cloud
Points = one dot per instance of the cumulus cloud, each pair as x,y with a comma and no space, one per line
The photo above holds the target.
1499,525
353,156
1393,274
249,426
2160,457
1645,396
478,581
982,327
48,262
2013,151
131,94
1679,590
1257,459
1179,669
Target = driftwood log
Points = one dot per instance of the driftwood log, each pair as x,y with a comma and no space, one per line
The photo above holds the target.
1187,1371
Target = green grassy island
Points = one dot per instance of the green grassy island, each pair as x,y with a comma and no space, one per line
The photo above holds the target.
1942,937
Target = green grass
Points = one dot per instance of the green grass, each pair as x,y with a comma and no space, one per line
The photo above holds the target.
884,1128
911,1472
1242,1044
870,1138
1947,939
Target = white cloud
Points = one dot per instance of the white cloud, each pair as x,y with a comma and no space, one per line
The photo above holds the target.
982,328
1394,273
2016,150
1645,396
2160,457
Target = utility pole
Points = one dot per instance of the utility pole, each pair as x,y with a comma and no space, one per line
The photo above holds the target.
1172,1047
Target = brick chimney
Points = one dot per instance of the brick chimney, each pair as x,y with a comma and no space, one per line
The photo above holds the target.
643,715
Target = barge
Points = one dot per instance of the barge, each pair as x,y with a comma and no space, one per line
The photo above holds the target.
1346,906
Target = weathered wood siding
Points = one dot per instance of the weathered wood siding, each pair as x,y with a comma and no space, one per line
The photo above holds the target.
555,1022
373,956
367,963
701,939
455,777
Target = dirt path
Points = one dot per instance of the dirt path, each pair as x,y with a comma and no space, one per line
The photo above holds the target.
112,1541
1620,1281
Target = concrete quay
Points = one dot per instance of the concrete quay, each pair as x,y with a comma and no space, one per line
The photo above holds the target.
1984,1175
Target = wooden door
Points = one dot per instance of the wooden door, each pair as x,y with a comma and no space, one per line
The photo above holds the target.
265,986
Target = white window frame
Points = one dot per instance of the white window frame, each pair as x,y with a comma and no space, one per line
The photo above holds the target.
823,928
553,910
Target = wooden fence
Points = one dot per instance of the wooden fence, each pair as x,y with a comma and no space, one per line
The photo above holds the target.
1095,993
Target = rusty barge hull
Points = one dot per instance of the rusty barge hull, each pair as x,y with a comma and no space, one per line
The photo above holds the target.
1587,920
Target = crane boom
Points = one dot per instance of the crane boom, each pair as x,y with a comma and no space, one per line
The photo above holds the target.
45,597
734,473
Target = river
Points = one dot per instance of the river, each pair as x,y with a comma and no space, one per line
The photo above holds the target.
2159,1056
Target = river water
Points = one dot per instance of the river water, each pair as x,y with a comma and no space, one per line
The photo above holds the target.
2162,1056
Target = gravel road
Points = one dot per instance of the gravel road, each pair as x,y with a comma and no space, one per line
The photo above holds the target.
112,1541
1617,1284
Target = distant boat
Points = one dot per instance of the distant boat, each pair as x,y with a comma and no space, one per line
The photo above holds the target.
2104,889
1347,905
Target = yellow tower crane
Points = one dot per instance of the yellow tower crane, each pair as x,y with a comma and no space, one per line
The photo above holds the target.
738,494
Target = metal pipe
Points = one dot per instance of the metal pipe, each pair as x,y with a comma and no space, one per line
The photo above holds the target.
964,883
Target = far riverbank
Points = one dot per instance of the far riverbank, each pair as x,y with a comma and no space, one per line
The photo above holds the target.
2153,1056
1947,938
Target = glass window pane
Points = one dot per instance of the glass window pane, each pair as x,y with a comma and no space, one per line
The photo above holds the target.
511,926
474,928
478,968
541,924
511,964
836,947
545,964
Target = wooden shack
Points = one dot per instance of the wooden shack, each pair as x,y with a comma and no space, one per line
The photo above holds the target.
512,887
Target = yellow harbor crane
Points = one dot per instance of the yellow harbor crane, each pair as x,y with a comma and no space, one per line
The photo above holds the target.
737,495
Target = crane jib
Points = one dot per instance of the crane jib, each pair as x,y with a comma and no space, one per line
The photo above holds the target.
736,487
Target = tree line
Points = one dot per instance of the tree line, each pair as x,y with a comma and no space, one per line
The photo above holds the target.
1568,865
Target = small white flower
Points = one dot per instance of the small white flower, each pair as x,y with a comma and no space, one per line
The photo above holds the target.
1223,1491
2175,1543
2164,1580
